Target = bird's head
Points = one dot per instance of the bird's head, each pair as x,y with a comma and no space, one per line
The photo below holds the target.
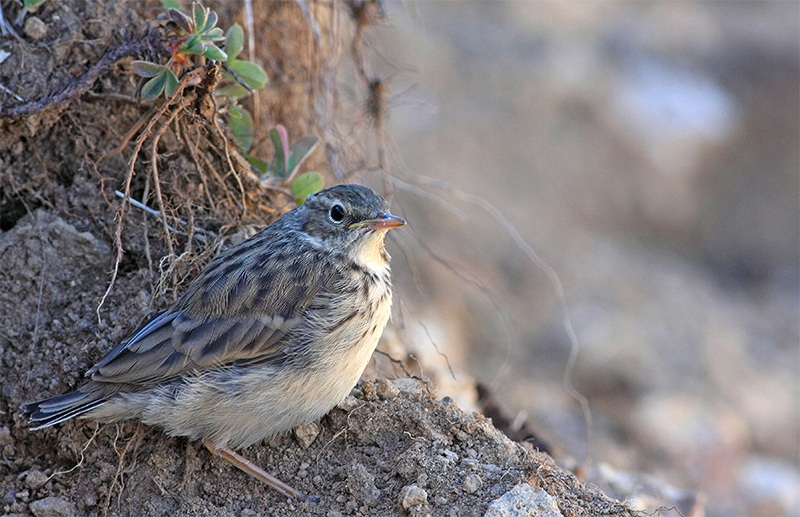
351,218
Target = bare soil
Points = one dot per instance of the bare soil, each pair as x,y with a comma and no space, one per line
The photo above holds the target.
58,222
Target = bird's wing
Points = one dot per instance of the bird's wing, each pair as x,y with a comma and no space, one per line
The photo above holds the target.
243,317
176,343
238,311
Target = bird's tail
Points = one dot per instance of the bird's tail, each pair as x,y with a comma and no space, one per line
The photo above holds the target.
52,411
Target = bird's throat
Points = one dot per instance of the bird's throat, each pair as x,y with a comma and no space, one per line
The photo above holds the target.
372,254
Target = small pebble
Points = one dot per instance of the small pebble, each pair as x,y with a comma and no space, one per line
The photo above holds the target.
472,483
307,433
412,495
524,499
90,499
369,390
408,385
35,479
461,436
52,507
35,28
448,456
8,498
5,436
361,484
349,403
387,390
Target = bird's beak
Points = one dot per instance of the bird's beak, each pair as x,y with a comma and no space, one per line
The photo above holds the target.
384,221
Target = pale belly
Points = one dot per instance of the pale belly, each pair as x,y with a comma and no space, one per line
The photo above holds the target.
241,407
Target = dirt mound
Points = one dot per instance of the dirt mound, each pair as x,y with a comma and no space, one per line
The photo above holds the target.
71,122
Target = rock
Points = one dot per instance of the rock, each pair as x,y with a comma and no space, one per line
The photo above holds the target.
369,391
386,390
524,500
8,498
5,436
6,440
35,479
362,485
307,433
472,483
408,385
412,495
35,28
52,507
349,403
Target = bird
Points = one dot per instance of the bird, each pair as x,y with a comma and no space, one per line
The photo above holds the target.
274,332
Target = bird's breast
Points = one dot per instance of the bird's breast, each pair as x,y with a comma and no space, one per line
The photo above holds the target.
346,336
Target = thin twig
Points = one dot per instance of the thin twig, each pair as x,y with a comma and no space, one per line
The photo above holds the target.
5,27
488,293
82,453
432,341
145,226
118,479
210,167
193,152
185,80
157,181
80,85
202,232
249,24
396,362
410,262
9,92
226,147
310,19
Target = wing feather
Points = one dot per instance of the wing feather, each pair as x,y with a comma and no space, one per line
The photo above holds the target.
248,324
180,344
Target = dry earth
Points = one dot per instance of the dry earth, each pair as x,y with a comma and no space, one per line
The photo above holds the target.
390,448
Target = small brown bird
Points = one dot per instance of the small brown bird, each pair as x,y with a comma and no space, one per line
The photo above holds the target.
273,333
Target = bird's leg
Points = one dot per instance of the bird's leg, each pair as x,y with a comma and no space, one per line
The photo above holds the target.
257,472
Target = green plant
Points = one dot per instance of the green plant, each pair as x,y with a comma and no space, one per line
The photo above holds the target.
32,5
198,35
238,71
286,162
239,76
306,184
28,6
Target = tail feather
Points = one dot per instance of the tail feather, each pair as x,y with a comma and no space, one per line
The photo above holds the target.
52,411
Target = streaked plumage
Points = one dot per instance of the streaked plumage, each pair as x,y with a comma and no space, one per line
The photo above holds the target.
273,333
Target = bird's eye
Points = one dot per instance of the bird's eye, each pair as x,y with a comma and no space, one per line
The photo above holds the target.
336,213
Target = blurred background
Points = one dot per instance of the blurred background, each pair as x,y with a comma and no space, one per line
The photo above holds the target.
648,152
